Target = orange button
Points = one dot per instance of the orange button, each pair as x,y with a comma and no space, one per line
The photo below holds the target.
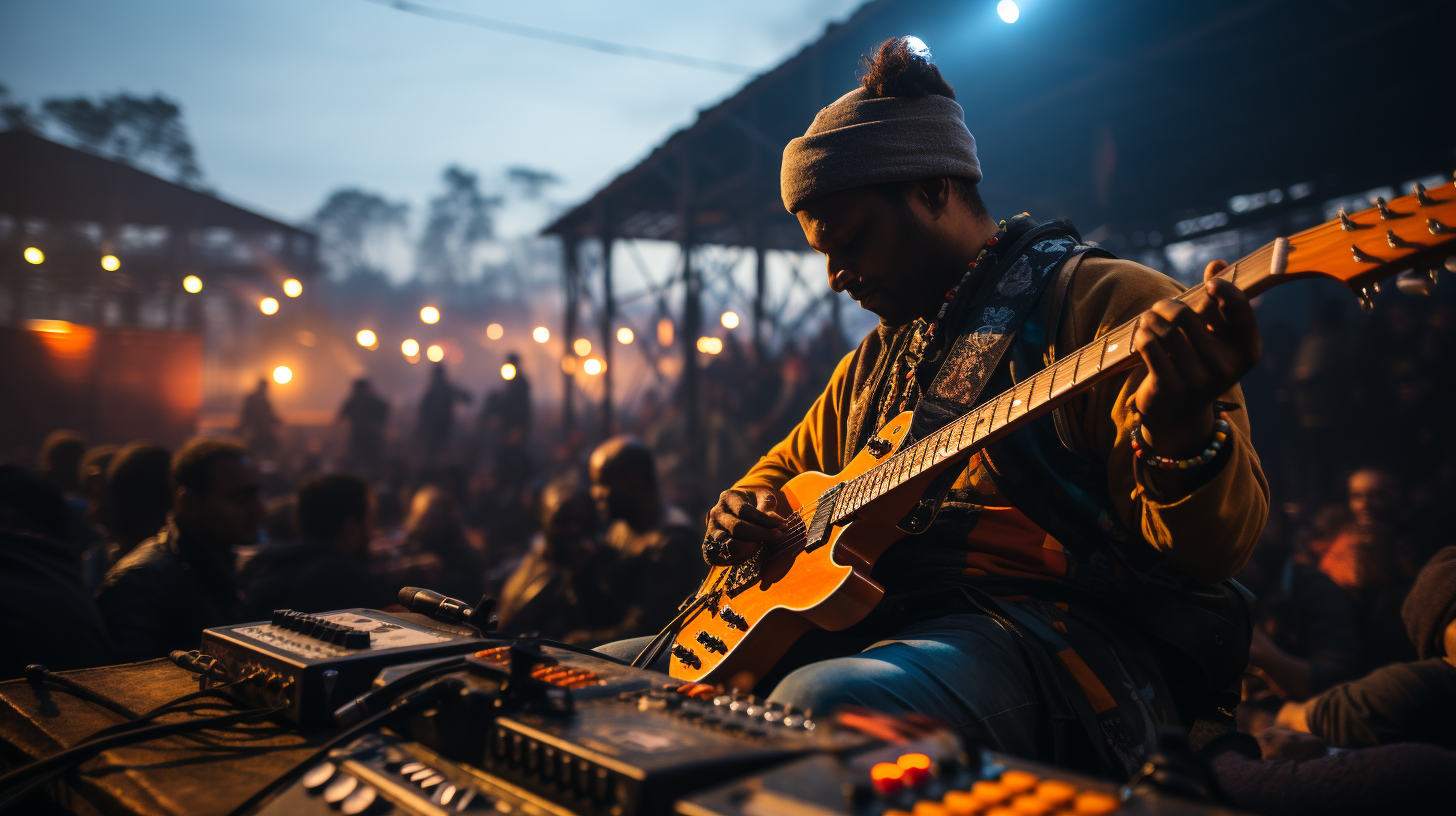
1028,805
887,777
988,793
1092,803
916,768
1018,781
961,803
925,807
1055,792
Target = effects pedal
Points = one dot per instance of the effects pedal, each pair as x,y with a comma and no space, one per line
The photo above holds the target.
315,663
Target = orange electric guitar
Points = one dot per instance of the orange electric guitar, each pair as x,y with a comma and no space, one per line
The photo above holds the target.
744,618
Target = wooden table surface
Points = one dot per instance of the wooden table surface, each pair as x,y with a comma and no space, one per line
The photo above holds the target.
209,773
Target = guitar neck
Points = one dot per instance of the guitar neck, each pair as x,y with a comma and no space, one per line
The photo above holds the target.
1358,250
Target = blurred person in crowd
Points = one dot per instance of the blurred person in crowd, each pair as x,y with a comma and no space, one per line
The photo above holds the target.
651,547
46,611
452,562
554,591
1304,637
437,413
280,522
60,464
258,425
367,415
160,596
1402,702
511,405
326,568
139,493
91,482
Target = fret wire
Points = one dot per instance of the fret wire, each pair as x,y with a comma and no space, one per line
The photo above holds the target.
1077,365
1051,381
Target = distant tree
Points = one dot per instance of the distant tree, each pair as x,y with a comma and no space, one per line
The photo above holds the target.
460,219
352,224
530,181
146,133
17,115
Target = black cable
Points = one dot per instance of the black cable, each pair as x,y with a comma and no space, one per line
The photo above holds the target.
653,649
36,673
21,781
366,704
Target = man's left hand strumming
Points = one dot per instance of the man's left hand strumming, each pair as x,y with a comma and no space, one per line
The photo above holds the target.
1194,354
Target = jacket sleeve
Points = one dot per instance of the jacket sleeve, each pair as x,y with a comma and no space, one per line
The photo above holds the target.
813,444
134,606
1206,533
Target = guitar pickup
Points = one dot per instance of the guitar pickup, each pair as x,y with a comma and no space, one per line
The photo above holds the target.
712,644
823,515
733,619
687,656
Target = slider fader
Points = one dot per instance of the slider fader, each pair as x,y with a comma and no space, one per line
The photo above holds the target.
315,663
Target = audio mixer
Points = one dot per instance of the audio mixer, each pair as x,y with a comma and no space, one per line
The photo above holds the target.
314,663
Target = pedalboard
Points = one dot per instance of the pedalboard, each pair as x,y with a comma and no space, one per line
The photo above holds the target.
315,663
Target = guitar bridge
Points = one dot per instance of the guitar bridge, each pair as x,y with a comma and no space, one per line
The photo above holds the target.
823,516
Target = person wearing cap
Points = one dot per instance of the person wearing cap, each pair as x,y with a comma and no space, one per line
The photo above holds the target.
1018,615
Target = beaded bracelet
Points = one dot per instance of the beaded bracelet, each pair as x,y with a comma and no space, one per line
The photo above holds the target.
1220,434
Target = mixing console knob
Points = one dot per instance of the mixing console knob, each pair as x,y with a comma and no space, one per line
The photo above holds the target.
355,639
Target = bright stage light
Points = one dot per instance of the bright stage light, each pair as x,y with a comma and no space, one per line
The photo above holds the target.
110,263
282,375
367,339
430,314
495,332
292,287
268,306
192,283
918,47
435,353
410,347
730,320
582,347
710,345
1008,10
664,332
625,336
541,334
34,255
593,366
508,372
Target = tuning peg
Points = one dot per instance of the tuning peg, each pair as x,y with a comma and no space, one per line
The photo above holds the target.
1437,228
1346,224
1451,264
1385,212
1425,200
1367,300
1362,256
1413,282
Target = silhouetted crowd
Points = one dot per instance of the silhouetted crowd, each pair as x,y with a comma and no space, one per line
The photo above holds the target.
113,554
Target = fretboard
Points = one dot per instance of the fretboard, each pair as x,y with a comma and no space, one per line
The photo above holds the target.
1035,396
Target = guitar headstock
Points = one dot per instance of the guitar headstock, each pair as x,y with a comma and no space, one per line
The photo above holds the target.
1414,232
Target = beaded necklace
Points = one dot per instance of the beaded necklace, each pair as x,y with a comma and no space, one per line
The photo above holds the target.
903,385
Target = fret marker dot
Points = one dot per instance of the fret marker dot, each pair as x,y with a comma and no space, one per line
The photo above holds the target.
1112,347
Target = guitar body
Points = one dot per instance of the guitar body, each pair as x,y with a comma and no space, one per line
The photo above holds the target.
828,587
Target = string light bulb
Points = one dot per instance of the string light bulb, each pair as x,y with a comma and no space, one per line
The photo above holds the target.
268,306
292,287
192,284
367,339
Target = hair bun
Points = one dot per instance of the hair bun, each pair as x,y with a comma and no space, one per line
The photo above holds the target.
902,67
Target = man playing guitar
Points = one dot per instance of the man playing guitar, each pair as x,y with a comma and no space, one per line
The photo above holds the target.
1008,616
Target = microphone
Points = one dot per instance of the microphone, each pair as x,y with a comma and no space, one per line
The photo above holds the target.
433,604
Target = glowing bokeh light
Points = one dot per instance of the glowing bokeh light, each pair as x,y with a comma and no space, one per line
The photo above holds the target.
540,334
495,332
569,364
1008,10
430,314
282,375
192,283
435,353
268,306
410,347
34,255
110,263
592,366
625,336
730,320
292,287
664,332
508,372
367,339
710,345
582,347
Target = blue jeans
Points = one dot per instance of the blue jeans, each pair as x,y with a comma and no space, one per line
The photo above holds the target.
961,669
